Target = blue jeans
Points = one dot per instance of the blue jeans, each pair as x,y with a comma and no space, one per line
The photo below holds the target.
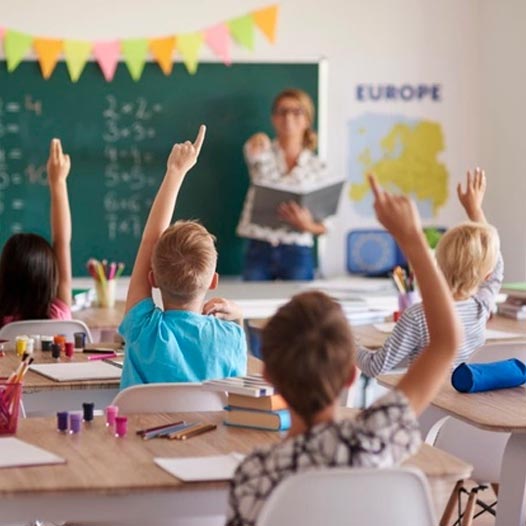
264,262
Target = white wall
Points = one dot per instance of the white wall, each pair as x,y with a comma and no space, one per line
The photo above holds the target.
395,41
503,118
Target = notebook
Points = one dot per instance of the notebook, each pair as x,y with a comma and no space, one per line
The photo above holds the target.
16,453
69,372
195,469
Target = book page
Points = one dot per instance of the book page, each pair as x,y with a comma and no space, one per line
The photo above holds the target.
68,372
14,452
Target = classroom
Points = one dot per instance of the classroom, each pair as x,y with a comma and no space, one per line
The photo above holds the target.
337,316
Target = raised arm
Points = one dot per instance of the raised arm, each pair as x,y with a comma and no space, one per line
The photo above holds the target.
428,372
182,158
471,199
58,166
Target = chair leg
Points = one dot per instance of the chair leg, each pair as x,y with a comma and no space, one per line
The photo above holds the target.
445,520
469,511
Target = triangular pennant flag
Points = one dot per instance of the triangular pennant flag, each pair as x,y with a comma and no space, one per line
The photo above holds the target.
134,51
189,46
242,30
162,50
107,55
16,45
47,51
2,32
218,40
266,19
76,54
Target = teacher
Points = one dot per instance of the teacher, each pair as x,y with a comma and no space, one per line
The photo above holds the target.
285,252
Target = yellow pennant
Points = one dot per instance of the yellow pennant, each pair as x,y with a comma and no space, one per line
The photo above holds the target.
266,19
162,49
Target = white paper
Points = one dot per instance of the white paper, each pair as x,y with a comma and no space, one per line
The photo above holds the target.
14,452
492,334
69,372
194,469
385,327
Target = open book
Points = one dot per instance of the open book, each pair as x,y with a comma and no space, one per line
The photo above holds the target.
321,199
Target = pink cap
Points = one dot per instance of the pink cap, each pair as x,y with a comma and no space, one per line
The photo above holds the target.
69,349
121,426
111,413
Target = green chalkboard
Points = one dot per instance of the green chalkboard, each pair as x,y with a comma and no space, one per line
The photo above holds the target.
119,135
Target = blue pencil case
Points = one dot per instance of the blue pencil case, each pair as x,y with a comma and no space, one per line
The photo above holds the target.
477,377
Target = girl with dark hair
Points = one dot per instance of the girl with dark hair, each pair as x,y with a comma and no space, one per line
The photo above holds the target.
35,276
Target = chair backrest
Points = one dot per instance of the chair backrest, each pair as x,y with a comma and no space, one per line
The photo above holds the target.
368,497
482,449
45,327
169,398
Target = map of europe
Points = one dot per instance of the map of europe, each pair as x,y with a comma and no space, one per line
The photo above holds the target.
404,154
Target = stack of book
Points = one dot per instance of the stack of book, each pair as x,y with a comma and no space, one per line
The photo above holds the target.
515,304
253,403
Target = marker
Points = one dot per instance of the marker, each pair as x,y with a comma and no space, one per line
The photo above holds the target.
102,356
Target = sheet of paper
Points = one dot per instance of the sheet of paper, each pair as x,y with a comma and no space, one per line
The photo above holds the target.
194,469
69,372
502,335
353,284
14,452
385,327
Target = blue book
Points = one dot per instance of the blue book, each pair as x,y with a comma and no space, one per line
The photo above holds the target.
267,420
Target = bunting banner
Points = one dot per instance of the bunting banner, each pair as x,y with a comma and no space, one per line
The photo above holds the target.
134,52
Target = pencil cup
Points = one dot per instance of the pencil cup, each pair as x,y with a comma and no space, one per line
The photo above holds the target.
407,299
105,292
10,393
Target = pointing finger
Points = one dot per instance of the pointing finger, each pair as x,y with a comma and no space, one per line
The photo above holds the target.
200,138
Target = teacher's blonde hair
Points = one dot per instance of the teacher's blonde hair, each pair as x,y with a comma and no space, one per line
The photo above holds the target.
310,138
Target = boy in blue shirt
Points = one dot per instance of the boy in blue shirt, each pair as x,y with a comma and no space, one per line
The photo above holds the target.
190,340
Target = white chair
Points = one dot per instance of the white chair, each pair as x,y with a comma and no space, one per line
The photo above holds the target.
482,449
339,497
45,327
169,398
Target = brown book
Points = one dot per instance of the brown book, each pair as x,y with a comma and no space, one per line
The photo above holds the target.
263,403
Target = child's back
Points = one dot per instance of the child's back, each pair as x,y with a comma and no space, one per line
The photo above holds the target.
470,260
189,340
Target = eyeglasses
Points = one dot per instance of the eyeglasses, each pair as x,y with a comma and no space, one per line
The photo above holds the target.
295,112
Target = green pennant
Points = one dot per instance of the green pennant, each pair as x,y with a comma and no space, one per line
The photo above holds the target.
189,45
76,54
242,31
135,51
16,45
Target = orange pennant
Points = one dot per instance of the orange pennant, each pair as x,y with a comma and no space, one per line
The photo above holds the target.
162,50
266,19
48,51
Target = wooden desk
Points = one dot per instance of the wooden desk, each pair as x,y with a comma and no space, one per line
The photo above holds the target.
97,318
110,479
44,396
505,411
368,336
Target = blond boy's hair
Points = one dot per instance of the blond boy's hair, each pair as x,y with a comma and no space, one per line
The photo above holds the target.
184,260
308,351
466,254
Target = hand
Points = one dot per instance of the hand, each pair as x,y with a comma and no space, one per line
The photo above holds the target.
472,198
258,143
297,216
58,163
222,309
396,213
184,156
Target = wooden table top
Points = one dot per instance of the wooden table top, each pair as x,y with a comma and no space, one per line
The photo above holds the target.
102,318
34,382
501,410
99,462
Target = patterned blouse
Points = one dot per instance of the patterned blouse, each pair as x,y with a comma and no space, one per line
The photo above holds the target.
269,167
381,436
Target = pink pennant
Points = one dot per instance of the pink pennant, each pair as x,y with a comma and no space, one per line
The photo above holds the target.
218,40
107,55
2,32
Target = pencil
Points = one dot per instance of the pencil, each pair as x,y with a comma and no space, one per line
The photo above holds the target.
199,429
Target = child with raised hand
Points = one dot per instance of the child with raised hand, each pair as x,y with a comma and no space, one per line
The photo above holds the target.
190,340
469,257
35,276
308,353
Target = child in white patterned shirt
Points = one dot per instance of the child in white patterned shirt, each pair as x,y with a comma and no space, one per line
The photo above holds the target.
308,353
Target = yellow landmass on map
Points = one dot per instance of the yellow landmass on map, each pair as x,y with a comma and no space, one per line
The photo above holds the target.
409,164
